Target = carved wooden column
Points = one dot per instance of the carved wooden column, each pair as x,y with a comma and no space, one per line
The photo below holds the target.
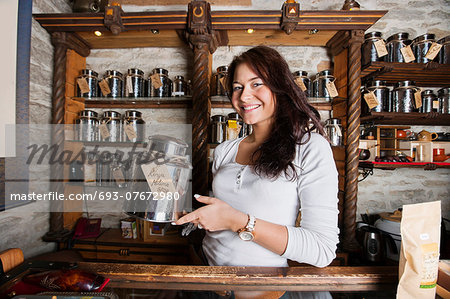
352,160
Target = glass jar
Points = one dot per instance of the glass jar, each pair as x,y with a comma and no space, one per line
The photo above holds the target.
320,84
116,172
133,119
421,45
381,92
302,75
218,128
104,168
368,50
428,99
235,126
394,43
221,76
444,100
403,97
179,87
189,88
87,125
91,78
333,128
115,83
134,83
163,91
444,53
113,121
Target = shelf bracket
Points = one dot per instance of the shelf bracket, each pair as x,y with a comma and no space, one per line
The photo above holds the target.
366,171
290,18
113,18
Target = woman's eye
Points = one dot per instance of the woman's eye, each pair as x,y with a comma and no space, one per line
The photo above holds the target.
235,88
256,84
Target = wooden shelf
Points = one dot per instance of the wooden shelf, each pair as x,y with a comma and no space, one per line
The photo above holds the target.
413,118
429,74
395,165
169,102
323,104
137,144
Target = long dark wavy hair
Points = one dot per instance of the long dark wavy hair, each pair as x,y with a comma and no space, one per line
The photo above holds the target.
294,116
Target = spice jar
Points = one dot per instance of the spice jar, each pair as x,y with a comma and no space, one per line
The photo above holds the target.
134,84
444,100
165,90
179,87
218,128
428,102
320,84
394,43
112,122
368,50
403,96
421,45
444,53
381,92
303,76
333,129
221,76
91,78
235,126
133,126
87,125
115,83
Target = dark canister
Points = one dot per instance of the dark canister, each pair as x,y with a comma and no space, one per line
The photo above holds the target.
179,87
218,128
421,45
220,79
403,96
444,100
394,43
430,102
115,83
303,77
381,93
87,125
320,84
134,83
111,126
368,49
444,53
133,126
155,89
91,79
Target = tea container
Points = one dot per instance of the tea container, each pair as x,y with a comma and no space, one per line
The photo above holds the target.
421,45
134,83
179,87
428,99
165,90
235,126
116,172
218,128
444,100
320,84
91,78
115,83
381,92
403,96
303,76
394,43
133,120
333,128
221,79
113,122
87,125
368,50
444,53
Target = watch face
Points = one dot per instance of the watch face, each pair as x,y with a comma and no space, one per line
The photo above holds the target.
246,235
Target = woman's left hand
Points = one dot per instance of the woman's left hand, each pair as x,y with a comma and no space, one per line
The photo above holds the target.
215,216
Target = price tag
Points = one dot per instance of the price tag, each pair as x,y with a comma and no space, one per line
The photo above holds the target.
118,176
177,93
104,130
83,85
408,54
222,82
104,87
129,84
300,84
418,98
156,81
436,105
130,131
371,100
433,51
158,179
332,91
380,46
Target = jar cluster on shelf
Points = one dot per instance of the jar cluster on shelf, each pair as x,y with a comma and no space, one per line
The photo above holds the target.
228,127
133,84
399,48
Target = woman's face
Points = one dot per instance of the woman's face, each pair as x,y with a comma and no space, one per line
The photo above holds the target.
251,98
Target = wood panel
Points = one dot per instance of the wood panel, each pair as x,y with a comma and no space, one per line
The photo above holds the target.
278,37
184,2
412,118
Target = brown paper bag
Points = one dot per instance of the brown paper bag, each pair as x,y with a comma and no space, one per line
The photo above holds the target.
419,257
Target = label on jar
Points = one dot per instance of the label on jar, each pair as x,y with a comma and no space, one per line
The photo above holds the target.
300,84
332,91
407,53
433,51
233,129
118,176
380,46
104,132
178,93
436,104
418,98
129,85
222,82
430,265
90,173
159,181
83,85
104,87
130,131
371,100
156,81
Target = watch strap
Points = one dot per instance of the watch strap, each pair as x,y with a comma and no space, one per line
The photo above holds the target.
251,223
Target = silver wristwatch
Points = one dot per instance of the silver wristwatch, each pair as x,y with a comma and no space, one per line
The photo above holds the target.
246,233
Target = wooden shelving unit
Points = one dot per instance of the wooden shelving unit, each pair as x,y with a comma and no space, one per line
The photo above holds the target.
395,165
413,118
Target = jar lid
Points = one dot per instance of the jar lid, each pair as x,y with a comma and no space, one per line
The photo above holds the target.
89,72
113,73
167,145
135,72
333,121
424,37
428,92
88,114
300,73
160,71
444,91
234,115
326,73
133,113
373,34
444,40
398,36
376,83
222,69
179,77
111,114
218,118
405,84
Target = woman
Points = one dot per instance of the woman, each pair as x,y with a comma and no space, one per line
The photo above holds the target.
262,180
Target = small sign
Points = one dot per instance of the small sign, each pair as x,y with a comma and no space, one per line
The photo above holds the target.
436,105
371,100
222,82
104,132
418,98
83,85
380,46
104,87
130,131
408,54
156,81
118,176
300,84
129,84
433,51
332,91
158,179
